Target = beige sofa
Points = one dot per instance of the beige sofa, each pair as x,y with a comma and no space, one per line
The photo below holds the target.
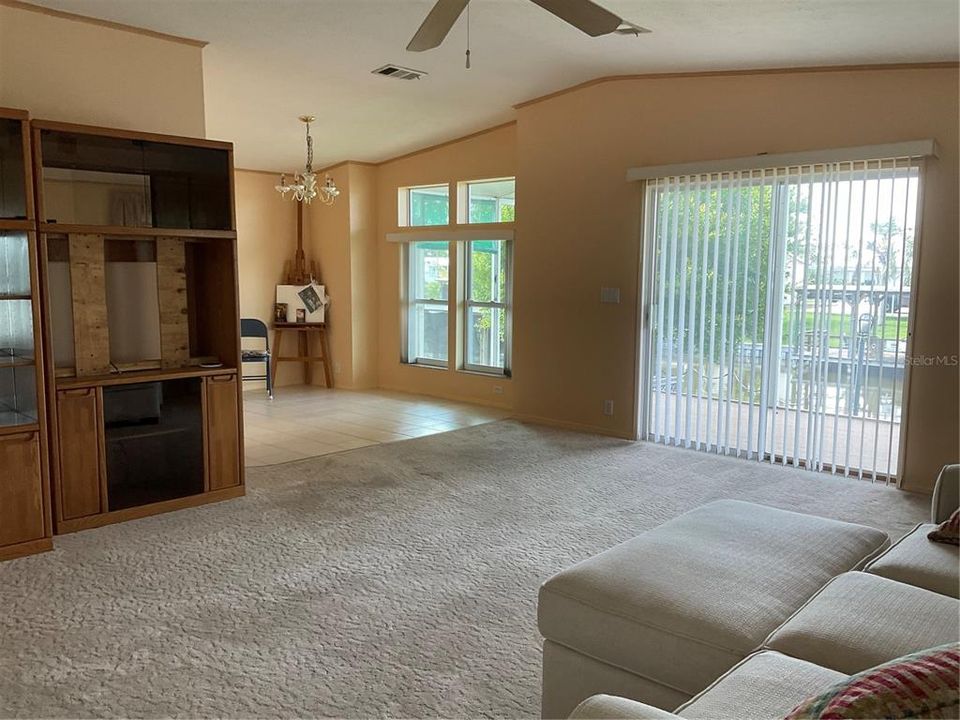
775,607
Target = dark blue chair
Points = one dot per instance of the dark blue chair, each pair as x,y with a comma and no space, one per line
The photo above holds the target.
256,329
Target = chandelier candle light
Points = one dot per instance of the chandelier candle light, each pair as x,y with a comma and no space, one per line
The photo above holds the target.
304,188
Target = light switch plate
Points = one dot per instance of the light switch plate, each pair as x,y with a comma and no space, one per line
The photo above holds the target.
610,295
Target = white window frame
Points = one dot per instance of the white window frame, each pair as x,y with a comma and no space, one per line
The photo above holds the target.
405,202
506,306
410,302
465,192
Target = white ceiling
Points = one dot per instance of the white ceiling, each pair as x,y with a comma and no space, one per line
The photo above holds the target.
269,61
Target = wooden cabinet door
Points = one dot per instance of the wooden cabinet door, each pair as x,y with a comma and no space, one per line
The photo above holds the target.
21,489
80,437
223,432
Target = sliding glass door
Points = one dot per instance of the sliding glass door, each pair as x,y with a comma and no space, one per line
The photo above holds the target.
777,305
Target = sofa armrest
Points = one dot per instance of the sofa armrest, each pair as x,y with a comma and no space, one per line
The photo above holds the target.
610,707
946,494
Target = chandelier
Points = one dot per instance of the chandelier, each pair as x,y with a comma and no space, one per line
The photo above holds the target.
305,187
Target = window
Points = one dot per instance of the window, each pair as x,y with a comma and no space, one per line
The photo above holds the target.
487,306
487,201
424,206
428,286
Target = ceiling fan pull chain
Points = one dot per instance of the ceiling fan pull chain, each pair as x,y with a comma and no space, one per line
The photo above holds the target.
468,37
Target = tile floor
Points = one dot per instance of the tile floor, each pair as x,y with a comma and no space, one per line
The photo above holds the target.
305,421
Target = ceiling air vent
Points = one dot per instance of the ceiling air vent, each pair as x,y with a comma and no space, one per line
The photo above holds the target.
400,73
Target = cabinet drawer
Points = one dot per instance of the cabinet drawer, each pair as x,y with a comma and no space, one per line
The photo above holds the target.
80,440
223,432
21,489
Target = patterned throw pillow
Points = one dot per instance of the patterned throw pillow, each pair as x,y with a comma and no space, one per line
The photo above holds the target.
948,531
924,684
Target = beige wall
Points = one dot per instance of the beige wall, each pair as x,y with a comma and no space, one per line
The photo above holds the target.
266,240
489,155
578,223
329,246
61,69
343,241
364,285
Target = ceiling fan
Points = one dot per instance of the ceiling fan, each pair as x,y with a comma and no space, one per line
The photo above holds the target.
584,15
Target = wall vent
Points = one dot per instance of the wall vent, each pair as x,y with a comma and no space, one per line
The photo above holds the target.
400,73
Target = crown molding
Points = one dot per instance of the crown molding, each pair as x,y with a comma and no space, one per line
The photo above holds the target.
63,15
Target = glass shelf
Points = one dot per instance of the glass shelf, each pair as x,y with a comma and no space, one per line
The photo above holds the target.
11,418
18,372
11,357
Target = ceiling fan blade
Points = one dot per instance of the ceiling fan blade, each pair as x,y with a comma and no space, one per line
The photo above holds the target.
437,24
583,15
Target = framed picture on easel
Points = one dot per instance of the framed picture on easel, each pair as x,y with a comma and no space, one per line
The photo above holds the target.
310,298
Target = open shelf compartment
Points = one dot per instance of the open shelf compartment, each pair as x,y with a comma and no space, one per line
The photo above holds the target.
136,304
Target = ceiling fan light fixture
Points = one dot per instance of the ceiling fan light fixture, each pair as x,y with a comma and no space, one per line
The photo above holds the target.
629,28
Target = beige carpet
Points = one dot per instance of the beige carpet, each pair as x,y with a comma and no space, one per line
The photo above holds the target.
396,580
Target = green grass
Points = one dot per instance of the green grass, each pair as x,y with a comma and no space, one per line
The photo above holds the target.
836,324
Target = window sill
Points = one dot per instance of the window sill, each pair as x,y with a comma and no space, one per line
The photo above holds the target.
426,366
495,374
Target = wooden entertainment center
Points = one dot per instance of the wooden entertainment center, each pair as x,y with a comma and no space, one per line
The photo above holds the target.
133,258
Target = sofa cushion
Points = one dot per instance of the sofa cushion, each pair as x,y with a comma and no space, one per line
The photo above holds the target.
916,561
923,684
569,677
764,685
860,620
683,602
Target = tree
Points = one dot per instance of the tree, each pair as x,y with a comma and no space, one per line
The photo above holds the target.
722,265
887,254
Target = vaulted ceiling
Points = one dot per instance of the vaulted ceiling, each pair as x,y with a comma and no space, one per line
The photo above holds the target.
269,61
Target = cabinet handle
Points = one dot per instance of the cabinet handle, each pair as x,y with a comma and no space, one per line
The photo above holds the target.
18,436
78,392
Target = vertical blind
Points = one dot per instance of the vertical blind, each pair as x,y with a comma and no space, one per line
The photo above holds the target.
777,310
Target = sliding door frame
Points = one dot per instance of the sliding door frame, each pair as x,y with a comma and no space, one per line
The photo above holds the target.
646,273
911,319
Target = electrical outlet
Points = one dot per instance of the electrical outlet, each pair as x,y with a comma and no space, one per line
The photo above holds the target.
608,407
498,389
336,368
610,295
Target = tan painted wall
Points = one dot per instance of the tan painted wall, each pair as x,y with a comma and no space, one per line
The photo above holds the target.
343,241
60,69
266,239
329,245
364,288
489,155
578,223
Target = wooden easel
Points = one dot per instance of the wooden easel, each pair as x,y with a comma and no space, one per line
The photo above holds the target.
298,274
303,332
